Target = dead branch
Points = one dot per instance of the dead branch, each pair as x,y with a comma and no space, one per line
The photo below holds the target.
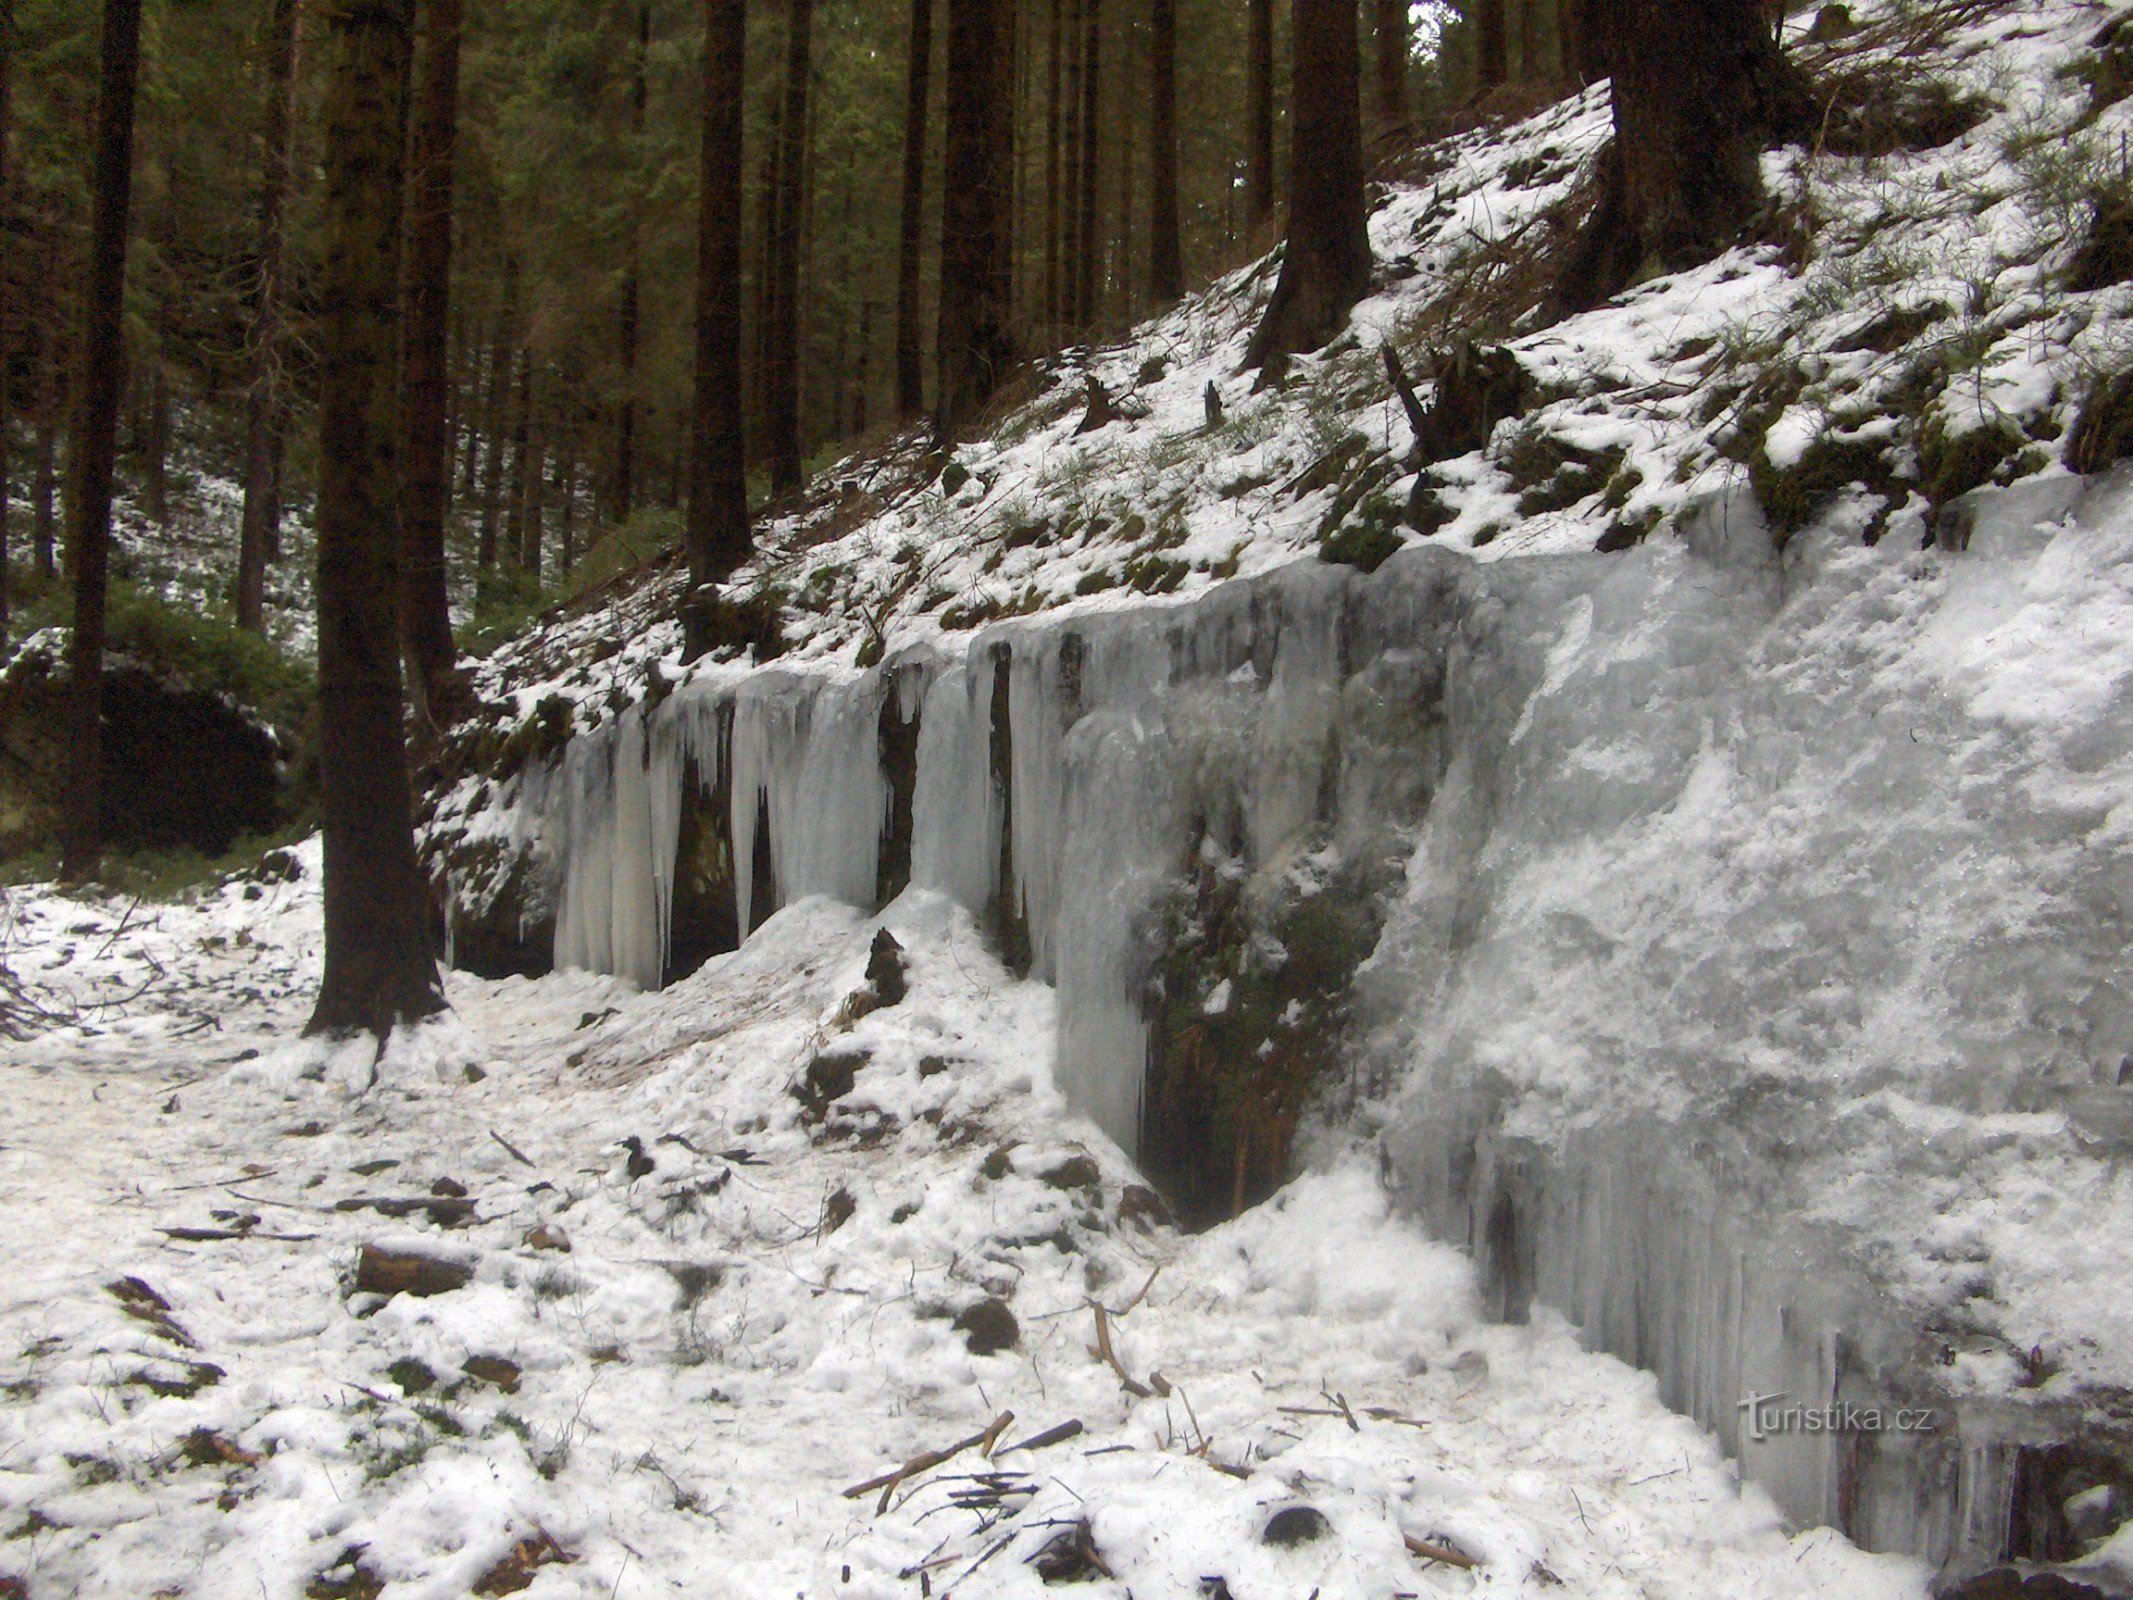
1438,1552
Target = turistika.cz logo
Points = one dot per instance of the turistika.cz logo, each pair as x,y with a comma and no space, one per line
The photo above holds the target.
1768,1415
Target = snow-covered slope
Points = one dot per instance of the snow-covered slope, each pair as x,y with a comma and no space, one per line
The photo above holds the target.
670,1357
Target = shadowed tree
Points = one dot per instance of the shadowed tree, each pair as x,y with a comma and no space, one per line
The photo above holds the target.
973,343
95,443
1166,261
632,289
437,691
717,526
1391,40
910,376
1326,267
265,399
7,52
379,971
1700,90
1259,113
784,345
1492,51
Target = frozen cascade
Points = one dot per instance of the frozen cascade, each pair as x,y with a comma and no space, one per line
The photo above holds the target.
1746,920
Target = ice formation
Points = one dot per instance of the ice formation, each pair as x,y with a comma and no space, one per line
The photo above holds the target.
1761,929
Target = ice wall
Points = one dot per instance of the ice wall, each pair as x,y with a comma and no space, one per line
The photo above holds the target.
1759,959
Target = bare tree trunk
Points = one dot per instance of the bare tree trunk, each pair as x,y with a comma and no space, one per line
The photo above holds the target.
94,446
1700,89
532,477
717,524
265,400
566,498
521,428
1166,260
1052,130
910,373
784,353
1088,263
1393,39
492,427
1000,144
425,377
7,55
1259,114
626,328
862,376
1491,66
1070,304
155,429
1327,265
379,972
44,473
973,342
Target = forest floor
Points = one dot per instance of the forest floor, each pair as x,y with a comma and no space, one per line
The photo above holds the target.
669,1359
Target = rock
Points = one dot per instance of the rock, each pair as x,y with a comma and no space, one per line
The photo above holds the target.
1142,1206
1076,1172
452,1188
381,1270
1295,1525
542,1237
829,1077
516,1569
988,1327
886,968
1833,22
492,1370
2005,1583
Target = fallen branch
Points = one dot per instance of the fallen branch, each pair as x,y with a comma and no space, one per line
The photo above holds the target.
1051,1436
1103,1352
1438,1552
511,1149
925,1461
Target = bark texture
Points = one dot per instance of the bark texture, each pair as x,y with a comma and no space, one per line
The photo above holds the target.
1700,90
1166,260
1326,267
1259,113
784,351
379,971
973,343
7,52
629,310
717,524
1392,39
265,399
95,441
434,685
910,373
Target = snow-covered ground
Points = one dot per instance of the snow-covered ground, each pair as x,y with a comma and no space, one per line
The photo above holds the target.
713,1332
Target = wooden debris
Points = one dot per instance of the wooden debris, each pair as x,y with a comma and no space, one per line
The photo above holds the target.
510,1149
446,1211
1103,1352
542,1237
143,1304
1050,1436
204,1447
380,1270
925,1461
1438,1552
515,1571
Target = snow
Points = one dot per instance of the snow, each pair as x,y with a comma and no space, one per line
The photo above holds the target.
713,1359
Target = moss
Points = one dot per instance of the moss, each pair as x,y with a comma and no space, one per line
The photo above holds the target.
1952,464
1246,1001
2103,432
1153,574
1792,496
1098,581
1366,545
1554,473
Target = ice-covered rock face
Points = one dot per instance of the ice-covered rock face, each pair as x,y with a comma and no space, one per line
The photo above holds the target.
1756,992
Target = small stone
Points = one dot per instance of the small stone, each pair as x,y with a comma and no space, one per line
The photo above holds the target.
542,1237
449,1187
388,1272
1295,1525
989,1327
493,1370
474,1073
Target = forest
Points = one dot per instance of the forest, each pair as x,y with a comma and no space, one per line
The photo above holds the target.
1212,799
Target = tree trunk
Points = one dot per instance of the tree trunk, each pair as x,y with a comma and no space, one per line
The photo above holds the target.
717,524
566,499
1166,260
784,351
973,343
1088,264
7,52
532,476
425,376
1700,89
492,420
1000,145
94,447
264,401
626,329
1393,40
43,472
1052,130
1326,268
1259,114
155,436
910,375
1070,306
379,972
521,431
1491,46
